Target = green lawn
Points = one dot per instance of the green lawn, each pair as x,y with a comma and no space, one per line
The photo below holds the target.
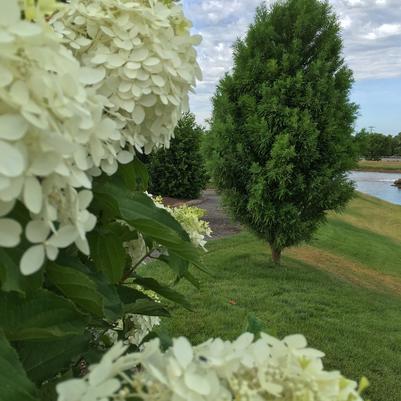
371,165
343,292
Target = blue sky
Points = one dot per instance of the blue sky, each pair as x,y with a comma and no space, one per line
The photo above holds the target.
372,48
380,104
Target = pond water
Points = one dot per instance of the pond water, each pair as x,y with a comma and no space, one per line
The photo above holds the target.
378,185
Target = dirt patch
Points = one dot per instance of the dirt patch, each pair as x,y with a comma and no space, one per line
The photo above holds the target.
350,271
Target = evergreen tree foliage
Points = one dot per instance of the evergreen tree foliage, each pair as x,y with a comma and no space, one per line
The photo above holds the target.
282,124
179,171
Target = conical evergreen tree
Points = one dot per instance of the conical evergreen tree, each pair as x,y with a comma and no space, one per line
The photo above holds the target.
179,171
282,124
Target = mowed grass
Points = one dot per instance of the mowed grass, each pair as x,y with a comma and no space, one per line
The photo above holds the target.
381,165
342,291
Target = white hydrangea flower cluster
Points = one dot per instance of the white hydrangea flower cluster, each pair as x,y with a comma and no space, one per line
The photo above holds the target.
136,250
143,50
135,327
267,369
141,326
190,218
62,122
52,131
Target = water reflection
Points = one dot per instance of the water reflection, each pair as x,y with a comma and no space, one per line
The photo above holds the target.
378,185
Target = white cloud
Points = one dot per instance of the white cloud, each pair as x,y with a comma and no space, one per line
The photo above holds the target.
371,33
346,22
383,31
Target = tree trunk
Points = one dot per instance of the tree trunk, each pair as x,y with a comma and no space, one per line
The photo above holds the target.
276,256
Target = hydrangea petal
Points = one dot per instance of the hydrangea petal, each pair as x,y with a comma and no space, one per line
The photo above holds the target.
64,237
26,29
10,12
12,127
91,76
33,196
197,383
4,183
12,161
138,114
83,246
37,231
295,341
5,37
5,76
51,252
85,198
125,157
73,389
183,351
32,260
6,207
44,164
10,233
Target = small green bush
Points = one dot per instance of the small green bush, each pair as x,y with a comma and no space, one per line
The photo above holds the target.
179,171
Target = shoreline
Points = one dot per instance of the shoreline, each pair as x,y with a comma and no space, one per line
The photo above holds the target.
377,170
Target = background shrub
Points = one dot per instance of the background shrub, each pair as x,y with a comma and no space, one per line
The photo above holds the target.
179,171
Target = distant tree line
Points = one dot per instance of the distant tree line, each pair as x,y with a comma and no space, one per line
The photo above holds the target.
374,145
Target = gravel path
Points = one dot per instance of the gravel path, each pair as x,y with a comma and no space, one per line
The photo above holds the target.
221,224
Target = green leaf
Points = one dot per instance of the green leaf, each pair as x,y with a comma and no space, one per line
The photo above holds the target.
113,308
254,325
180,267
138,208
77,286
135,175
164,291
140,212
146,307
137,302
129,295
192,279
11,278
108,254
14,384
122,231
105,206
42,360
41,315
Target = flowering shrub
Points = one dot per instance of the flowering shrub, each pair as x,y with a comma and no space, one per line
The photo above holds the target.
142,51
245,369
53,130
59,130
